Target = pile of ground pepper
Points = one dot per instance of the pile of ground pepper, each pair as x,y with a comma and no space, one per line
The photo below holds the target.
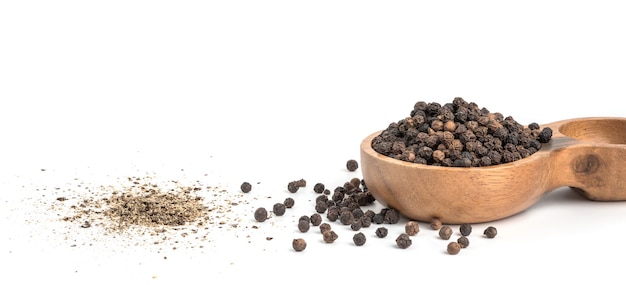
460,134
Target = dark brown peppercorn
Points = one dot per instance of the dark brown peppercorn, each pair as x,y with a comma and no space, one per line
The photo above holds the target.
454,248
304,226
435,224
465,229
445,232
321,206
403,241
346,217
289,202
412,228
356,225
298,244
381,232
306,218
279,209
463,241
316,219
246,187
319,188
490,232
260,214
330,236
392,216
352,165
293,187
359,239
324,227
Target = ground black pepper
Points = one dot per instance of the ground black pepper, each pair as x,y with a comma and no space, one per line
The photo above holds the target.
298,244
352,165
260,214
246,187
445,232
490,232
403,241
465,229
359,239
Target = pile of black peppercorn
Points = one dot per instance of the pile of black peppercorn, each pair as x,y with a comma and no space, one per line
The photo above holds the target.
459,134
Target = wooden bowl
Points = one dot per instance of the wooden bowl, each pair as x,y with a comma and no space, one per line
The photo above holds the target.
586,154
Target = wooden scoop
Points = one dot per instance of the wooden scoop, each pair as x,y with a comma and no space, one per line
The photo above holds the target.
586,154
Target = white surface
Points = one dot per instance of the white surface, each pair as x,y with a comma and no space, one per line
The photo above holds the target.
273,91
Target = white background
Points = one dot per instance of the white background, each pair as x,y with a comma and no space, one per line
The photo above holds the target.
272,91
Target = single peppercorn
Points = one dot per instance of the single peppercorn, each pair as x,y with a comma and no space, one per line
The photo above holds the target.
359,239
391,216
346,217
435,224
260,214
321,206
465,229
445,232
330,236
356,225
316,219
454,248
305,217
246,187
298,244
381,232
304,226
324,227
412,228
403,241
490,232
352,165
279,209
319,188
463,241
289,202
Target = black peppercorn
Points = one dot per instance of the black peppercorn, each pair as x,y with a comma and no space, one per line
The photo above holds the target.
454,248
298,244
359,239
463,241
356,225
321,206
435,224
490,232
330,236
412,228
289,202
306,218
381,232
246,187
316,219
465,229
324,227
352,165
346,217
279,209
391,216
260,214
445,232
403,241
303,226
319,188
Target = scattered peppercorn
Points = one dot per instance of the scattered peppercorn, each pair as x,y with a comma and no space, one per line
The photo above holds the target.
356,225
316,219
359,239
352,165
346,217
324,227
294,186
445,232
491,232
305,217
279,209
330,236
246,187
298,244
403,241
304,226
463,241
381,232
435,224
454,248
260,214
289,202
465,229
319,188
391,216
412,228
